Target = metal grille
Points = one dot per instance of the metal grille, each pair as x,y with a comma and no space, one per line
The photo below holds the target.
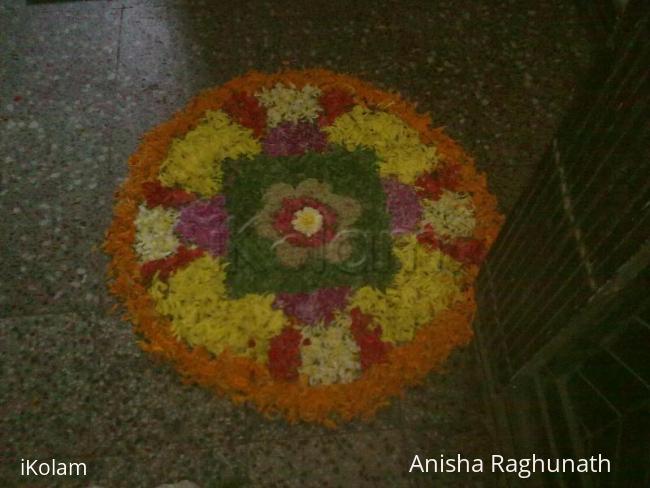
603,14
563,329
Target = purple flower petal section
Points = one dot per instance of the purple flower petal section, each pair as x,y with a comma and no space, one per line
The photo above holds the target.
205,223
313,307
290,138
403,206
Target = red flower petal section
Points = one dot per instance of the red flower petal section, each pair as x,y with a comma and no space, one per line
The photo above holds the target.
449,176
372,349
430,185
247,111
334,102
313,307
463,249
166,266
284,354
155,194
467,251
429,238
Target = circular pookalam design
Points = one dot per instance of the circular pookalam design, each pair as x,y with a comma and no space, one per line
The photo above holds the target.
301,241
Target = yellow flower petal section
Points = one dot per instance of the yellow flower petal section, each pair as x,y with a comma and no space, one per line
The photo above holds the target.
427,283
154,234
397,145
203,315
194,162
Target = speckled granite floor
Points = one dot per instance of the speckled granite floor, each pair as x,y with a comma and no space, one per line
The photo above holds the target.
80,81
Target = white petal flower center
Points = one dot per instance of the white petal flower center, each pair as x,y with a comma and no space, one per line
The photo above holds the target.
308,221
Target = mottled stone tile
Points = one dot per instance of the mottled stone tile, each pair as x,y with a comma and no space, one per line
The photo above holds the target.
271,430
360,459
448,395
193,415
58,53
139,111
79,388
151,3
168,54
445,417
167,46
56,199
210,467
56,121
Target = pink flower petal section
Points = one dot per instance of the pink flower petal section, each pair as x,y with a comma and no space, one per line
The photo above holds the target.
403,206
289,139
316,306
205,223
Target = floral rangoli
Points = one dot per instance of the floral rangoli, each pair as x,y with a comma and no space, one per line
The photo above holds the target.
302,242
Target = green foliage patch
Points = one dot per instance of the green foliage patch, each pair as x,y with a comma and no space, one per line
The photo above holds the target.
253,266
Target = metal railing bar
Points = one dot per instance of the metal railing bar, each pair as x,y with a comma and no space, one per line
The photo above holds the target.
597,174
546,418
599,102
590,208
631,411
630,121
642,322
531,306
570,416
525,349
575,152
640,224
586,212
569,154
606,96
633,202
566,283
541,196
510,293
545,244
600,394
611,151
496,315
627,367
533,278
628,271
505,240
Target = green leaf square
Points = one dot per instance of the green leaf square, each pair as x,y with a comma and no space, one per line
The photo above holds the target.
252,263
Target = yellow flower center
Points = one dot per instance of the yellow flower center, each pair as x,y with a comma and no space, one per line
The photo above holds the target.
308,221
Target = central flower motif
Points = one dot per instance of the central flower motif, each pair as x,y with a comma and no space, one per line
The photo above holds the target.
308,221
301,223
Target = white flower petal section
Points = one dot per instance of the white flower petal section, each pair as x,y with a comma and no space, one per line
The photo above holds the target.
307,221
289,104
451,216
332,355
154,234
